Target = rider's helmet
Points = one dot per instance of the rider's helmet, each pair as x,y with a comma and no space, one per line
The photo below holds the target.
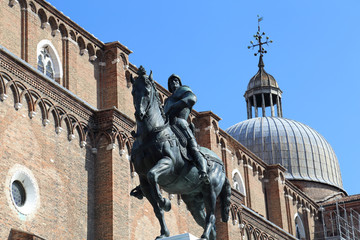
171,78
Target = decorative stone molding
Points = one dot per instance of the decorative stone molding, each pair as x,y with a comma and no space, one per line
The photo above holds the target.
13,3
116,60
71,137
45,122
55,32
3,97
32,114
92,58
58,130
103,64
94,150
288,196
122,152
111,146
18,106
45,25
248,166
83,144
83,51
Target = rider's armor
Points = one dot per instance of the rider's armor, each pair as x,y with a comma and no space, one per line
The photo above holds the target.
178,107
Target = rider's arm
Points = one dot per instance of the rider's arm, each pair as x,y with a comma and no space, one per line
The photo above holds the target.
187,101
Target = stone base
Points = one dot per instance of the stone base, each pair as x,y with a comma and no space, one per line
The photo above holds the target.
185,236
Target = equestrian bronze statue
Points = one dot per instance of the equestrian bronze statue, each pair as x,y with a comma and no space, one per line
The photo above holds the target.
165,155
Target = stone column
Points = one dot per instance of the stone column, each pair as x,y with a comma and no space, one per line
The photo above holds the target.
65,62
278,106
255,106
263,105
24,33
249,110
271,105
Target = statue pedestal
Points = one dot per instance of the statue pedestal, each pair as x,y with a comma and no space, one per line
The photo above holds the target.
185,236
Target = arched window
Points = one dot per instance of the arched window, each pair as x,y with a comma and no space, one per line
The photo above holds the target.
299,228
48,61
238,183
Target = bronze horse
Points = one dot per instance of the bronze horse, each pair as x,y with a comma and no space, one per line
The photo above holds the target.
157,159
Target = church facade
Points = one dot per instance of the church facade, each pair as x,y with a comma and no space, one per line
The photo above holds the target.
66,116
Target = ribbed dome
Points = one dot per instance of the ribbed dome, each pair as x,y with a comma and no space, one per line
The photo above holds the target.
262,78
300,149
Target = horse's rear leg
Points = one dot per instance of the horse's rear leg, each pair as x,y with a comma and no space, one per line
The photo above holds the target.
162,167
210,204
159,213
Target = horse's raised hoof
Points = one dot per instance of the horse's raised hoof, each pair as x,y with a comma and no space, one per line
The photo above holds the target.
165,204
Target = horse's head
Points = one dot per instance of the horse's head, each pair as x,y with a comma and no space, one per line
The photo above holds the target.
143,93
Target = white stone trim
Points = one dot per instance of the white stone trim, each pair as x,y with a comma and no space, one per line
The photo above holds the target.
111,146
116,60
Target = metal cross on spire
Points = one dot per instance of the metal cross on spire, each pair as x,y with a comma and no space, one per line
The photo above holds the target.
258,38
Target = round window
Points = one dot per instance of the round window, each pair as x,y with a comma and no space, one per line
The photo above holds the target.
18,193
24,191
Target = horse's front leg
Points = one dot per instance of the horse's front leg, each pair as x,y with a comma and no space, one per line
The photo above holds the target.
162,167
159,213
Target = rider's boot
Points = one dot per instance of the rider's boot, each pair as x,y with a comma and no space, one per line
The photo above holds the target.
201,165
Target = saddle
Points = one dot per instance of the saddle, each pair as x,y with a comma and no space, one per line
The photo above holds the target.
210,158
182,142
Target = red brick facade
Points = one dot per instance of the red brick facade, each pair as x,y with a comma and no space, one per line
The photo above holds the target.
72,134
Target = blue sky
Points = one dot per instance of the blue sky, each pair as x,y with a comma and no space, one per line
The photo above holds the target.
314,57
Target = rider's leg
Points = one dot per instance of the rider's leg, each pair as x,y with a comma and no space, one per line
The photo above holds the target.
200,161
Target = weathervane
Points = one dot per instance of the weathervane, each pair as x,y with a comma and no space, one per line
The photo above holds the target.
258,38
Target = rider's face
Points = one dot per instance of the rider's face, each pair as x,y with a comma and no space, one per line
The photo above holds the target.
174,84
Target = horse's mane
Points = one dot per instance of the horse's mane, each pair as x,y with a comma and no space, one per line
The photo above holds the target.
159,101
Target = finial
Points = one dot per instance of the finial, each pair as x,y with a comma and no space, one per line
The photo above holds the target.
258,36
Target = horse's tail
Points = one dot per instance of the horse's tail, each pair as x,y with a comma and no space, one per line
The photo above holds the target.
225,196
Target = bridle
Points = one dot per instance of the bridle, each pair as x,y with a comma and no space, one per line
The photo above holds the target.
145,114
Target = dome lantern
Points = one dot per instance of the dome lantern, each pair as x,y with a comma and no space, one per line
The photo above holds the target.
263,90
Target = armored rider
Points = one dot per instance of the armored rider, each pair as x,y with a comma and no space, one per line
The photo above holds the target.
177,108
